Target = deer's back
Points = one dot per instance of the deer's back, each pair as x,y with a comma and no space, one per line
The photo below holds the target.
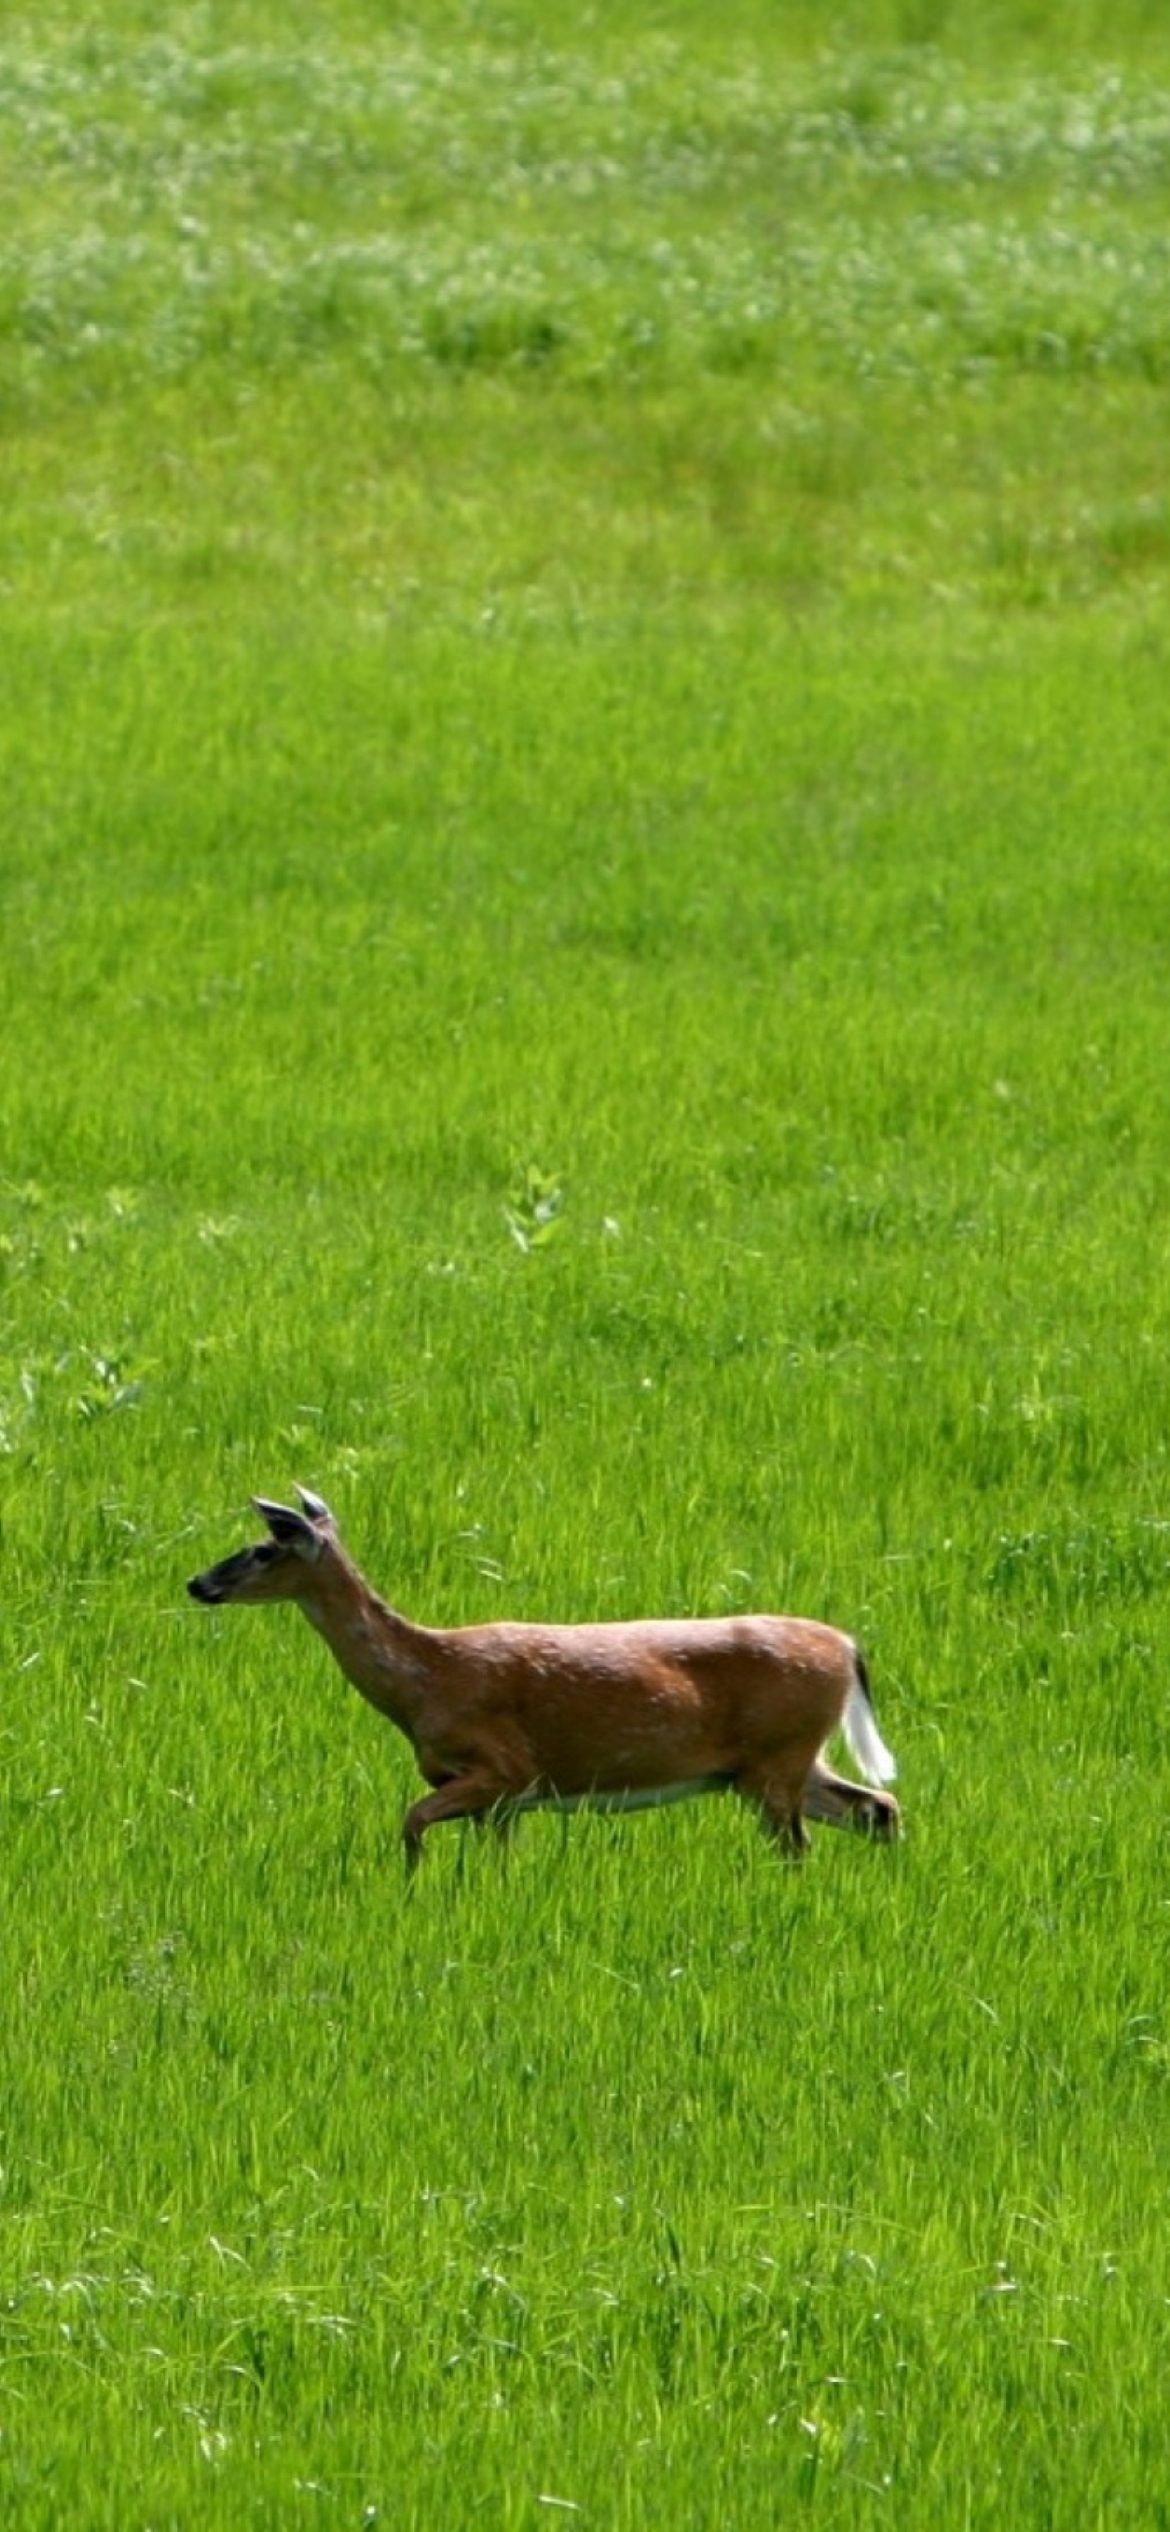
622,1704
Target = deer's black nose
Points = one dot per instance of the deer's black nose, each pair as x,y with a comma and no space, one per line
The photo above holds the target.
202,1588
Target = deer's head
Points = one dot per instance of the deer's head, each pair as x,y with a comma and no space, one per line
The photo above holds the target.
280,1567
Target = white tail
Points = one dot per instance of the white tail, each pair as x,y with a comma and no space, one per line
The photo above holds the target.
511,1718
859,1725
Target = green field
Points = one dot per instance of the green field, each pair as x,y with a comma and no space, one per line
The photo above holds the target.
584,920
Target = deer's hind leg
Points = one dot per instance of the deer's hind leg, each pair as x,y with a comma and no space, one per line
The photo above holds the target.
842,1804
775,1794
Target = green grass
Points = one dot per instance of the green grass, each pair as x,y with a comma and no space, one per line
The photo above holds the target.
585,624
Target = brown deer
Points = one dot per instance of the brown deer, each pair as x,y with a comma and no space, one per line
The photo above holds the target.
619,1717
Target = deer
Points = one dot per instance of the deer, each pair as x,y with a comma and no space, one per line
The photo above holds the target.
621,1715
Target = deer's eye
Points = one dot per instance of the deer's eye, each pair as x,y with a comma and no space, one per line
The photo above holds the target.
264,1554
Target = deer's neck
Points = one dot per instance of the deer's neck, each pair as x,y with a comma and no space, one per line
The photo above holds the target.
383,1655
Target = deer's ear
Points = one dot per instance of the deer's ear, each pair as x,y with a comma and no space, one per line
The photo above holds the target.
289,1529
316,1508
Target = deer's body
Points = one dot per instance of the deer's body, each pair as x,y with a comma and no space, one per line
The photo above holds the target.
508,1718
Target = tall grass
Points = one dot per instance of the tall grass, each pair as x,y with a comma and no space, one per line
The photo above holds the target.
584,763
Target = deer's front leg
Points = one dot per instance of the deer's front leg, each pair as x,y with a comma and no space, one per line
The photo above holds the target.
460,1798
472,1784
